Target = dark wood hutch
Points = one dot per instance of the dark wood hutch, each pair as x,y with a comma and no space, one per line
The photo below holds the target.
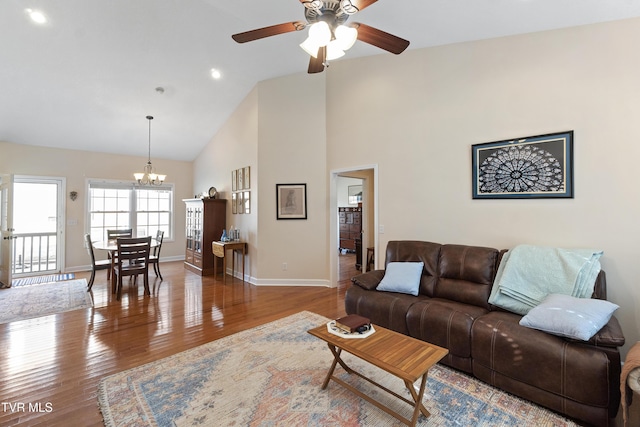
205,220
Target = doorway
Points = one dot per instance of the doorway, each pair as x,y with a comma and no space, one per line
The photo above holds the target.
33,225
341,180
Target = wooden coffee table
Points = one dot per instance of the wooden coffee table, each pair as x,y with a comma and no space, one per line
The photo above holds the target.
407,358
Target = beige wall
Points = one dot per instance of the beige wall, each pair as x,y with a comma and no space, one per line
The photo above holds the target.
416,116
279,129
79,166
292,150
233,147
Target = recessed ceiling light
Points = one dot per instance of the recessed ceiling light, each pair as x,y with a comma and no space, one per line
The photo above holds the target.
216,74
36,16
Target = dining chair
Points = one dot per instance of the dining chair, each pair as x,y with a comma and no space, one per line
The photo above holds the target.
121,232
154,257
95,265
115,234
132,260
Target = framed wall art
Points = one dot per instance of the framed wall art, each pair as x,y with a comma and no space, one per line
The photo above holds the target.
234,180
291,201
246,199
355,194
246,172
532,167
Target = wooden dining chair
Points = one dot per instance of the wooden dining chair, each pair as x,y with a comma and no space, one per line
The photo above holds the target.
115,234
95,265
132,260
154,257
121,232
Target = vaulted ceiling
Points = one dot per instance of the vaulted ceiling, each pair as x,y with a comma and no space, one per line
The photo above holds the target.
87,78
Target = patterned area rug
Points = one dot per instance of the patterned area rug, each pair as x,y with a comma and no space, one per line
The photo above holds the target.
271,376
26,302
42,279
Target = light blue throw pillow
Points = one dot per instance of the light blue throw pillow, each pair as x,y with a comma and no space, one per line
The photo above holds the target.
567,316
402,277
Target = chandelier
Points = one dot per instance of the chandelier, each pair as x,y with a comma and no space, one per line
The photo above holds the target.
149,176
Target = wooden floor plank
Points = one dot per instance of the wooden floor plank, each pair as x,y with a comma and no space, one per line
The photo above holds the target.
55,362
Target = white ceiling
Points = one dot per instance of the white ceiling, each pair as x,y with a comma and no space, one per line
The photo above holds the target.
87,79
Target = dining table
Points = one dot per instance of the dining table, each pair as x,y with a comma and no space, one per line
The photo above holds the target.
111,246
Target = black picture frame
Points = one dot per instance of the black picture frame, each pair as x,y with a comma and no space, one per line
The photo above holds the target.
291,201
538,166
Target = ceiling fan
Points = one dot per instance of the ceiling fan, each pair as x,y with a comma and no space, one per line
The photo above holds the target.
329,37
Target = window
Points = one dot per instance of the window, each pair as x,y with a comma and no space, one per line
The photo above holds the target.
122,205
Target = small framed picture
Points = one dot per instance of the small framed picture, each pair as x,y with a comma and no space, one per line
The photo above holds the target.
234,180
355,194
247,202
240,203
247,179
291,201
240,173
234,203
532,167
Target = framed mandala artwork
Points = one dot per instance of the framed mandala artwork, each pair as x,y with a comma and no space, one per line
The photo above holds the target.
532,167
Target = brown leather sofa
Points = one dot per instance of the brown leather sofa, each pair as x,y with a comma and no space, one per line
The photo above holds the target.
578,379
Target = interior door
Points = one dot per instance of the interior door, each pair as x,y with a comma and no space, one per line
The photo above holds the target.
6,229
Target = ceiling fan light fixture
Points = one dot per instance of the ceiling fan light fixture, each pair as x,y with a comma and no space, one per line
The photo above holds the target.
334,50
320,33
310,47
346,36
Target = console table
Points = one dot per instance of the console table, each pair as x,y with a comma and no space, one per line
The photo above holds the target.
219,250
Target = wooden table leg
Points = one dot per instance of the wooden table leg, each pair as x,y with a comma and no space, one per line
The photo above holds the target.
417,397
224,269
113,273
233,264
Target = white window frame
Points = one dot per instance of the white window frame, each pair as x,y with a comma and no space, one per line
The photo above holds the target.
131,187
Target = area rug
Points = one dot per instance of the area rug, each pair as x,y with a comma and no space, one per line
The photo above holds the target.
42,279
271,376
26,302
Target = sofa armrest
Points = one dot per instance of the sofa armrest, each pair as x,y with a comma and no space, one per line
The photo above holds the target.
609,336
368,280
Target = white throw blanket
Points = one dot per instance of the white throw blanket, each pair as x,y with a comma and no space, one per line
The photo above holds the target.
527,274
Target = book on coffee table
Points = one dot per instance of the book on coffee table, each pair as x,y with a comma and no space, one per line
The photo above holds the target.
352,323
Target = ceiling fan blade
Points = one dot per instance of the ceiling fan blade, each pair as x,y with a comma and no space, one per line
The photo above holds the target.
316,65
381,39
272,30
312,4
354,6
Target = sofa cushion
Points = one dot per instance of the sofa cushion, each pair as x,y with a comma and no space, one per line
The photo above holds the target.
466,274
447,324
368,280
567,316
502,348
416,251
386,309
403,277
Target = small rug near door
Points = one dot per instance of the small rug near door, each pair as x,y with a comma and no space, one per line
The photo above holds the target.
26,302
42,279
271,376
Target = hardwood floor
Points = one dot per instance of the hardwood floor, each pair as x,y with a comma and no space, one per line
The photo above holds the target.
51,366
